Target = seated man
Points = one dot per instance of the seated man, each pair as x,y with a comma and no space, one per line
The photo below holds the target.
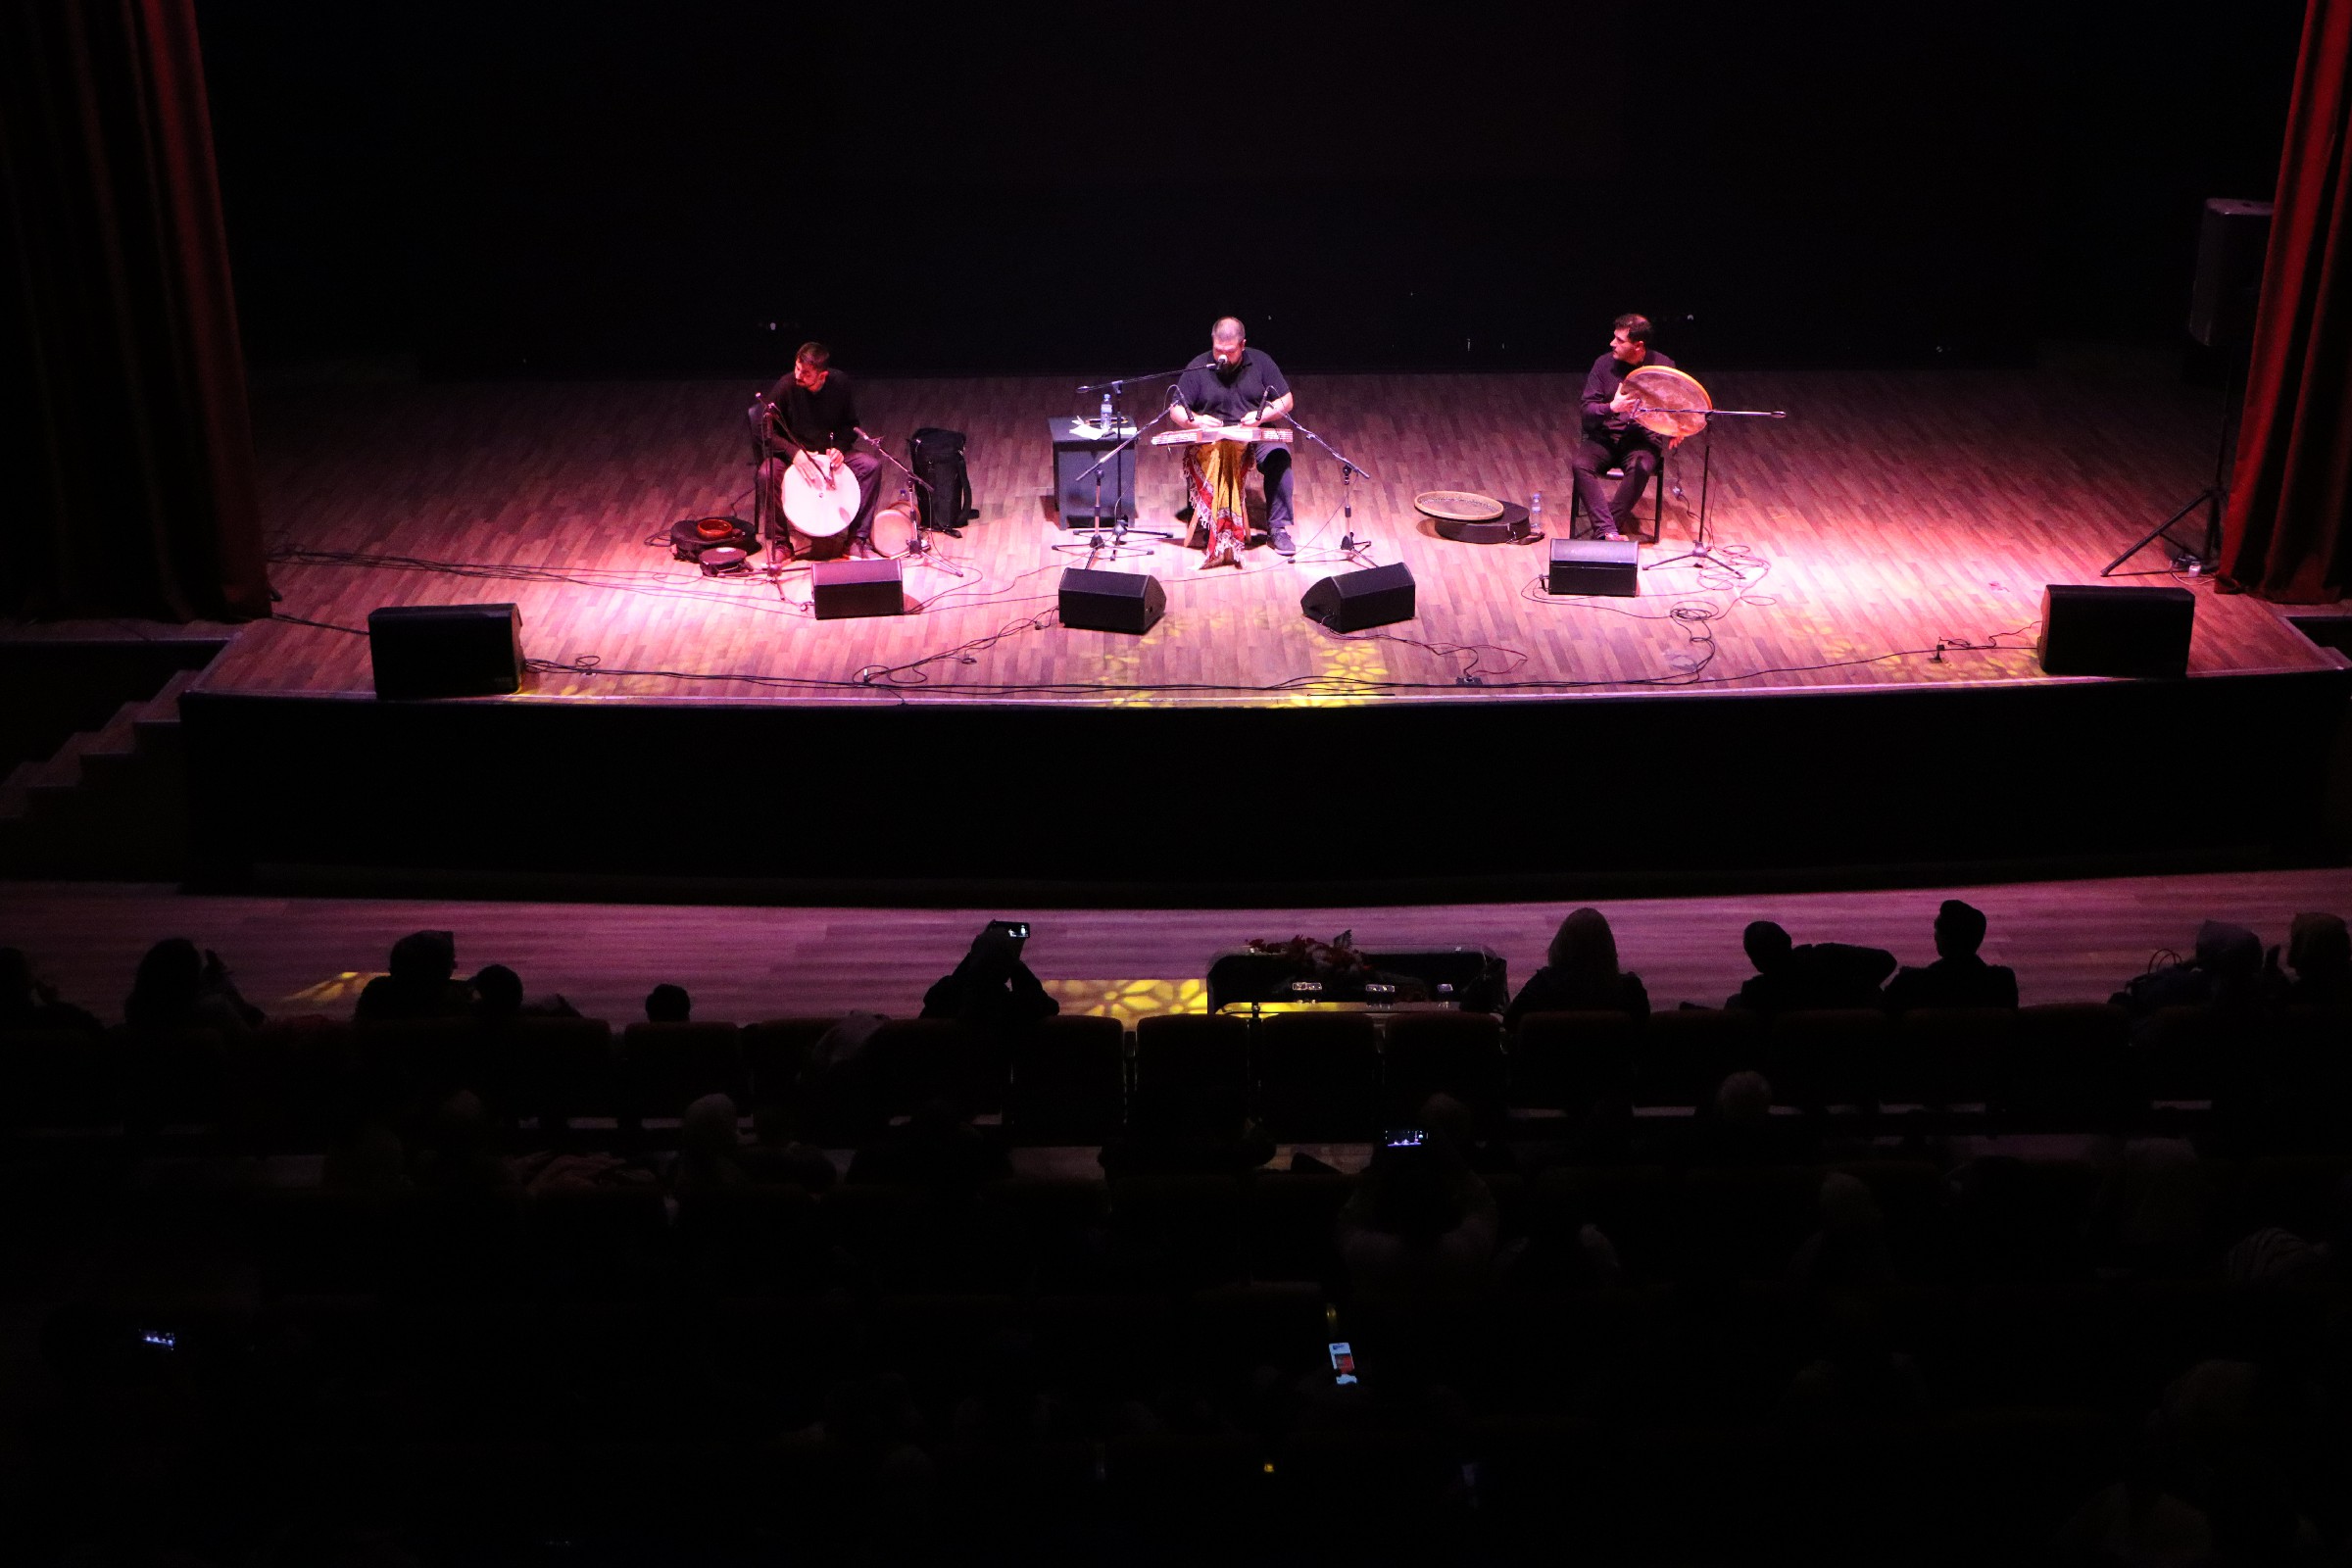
1958,978
421,983
1233,384
992,986
1614,438
1819,974
812,426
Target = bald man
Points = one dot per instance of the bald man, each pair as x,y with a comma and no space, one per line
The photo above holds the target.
1234,384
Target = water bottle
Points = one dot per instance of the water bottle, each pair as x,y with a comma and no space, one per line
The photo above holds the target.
1535,515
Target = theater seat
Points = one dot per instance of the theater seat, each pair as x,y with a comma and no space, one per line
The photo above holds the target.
1688,1052
918,1059
1456,1053
1571,1061
563,1070
663,1067
1069,1082
1318,1077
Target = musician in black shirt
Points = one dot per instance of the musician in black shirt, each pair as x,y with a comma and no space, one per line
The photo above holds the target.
1613,437
1234,383
813,421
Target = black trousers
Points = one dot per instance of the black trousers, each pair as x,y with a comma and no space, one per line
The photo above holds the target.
1633,450
1274,466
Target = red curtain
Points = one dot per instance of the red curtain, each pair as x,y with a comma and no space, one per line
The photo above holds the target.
130,462
2288,531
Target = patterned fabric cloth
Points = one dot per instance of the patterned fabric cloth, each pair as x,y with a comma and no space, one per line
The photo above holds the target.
1216,473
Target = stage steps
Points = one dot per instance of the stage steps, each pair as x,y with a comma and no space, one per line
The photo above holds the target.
111,802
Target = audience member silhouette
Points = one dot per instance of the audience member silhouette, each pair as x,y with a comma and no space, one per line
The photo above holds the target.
1735,1126
668,1003
776,1155
2318,951
1849,1249
27,1002
498,999
421,984
935,1148
1420,1230
458,1156
991,986
710,1148
1445,1121
1858,1375
2277,1255
372,1160
1580,974
1958,978
2225,975
1820,975
179,988
1208,1132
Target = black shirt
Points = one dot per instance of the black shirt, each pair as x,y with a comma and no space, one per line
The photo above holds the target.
1601,386
1967,982
826,420
990,990
1819,974
1203,388
1550,990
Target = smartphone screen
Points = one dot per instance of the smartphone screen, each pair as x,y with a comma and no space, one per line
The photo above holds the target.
1404,1138
1018,930
1342,1362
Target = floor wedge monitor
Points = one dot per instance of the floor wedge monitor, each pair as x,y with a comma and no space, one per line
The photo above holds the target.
1355,600
1111,600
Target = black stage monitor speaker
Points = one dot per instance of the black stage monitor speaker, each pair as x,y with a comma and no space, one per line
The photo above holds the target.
446,650
1111,600
2089,630
1355,600
846,588
1611,566
2228,282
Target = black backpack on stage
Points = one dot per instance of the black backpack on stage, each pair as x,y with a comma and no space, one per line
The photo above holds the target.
937,459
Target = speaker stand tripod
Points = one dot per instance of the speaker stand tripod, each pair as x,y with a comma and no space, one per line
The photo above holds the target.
2214,497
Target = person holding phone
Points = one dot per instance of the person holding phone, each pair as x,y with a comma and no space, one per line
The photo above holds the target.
992,986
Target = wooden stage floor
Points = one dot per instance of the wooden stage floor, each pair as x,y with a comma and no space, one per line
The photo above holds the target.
1889,511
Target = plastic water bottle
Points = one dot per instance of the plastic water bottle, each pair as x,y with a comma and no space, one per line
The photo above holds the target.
1535,514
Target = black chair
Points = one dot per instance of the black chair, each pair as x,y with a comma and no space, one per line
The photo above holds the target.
1657,513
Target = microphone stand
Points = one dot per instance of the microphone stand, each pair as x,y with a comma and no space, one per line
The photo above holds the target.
1700,551
1119,530
1348,475
919,548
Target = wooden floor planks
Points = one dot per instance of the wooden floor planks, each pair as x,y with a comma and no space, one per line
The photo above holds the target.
1889,510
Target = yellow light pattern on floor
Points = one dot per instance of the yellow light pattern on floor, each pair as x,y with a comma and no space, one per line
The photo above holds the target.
1129,999
345,987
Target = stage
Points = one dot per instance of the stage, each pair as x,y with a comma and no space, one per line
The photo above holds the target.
1798,711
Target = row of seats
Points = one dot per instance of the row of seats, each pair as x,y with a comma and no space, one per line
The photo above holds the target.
1988,1486
1309,1077
2054,1220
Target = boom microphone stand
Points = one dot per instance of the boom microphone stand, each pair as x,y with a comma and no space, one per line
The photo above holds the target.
1350,543
1700,551
1116,544
919,548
